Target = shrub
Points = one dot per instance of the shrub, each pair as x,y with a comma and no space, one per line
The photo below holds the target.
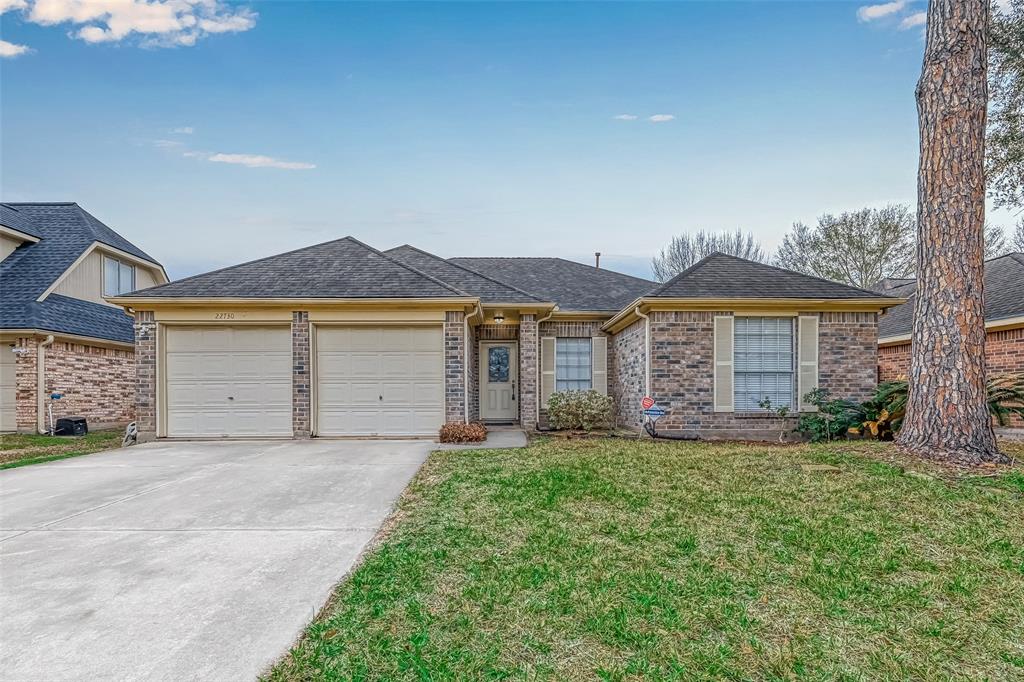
833,419
457,432
580,410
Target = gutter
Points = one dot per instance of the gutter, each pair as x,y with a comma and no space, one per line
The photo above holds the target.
647,350
41,382
465,365
536,391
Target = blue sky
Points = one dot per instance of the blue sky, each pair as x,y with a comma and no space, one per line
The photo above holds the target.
465,128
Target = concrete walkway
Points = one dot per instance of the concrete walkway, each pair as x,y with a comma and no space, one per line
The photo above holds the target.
183,561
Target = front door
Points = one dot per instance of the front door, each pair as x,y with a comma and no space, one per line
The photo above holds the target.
498,381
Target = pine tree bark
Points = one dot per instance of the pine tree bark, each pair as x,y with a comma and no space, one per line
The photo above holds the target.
947,412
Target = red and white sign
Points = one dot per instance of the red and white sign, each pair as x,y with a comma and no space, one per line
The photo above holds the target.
647,403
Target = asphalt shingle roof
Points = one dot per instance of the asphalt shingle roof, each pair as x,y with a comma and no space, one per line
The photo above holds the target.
1004,296
489,290
572,285
65,231
723,276
14,219
344,268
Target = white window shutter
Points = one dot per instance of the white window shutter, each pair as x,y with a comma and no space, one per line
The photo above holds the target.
599,364
547,369
723,364
807,357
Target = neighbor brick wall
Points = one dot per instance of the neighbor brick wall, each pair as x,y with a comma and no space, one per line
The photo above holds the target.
145,374
682,370
301,404
25,384
627,380
1004,354
97,383
528,371
454,366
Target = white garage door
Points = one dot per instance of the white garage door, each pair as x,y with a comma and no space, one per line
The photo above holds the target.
8,414
380,381
228,381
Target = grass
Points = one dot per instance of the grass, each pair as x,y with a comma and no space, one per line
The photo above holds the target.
622,560
22,449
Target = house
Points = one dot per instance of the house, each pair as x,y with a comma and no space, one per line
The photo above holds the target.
58,334
340,339
1004,320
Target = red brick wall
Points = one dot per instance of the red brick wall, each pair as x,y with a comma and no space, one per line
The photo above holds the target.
96,383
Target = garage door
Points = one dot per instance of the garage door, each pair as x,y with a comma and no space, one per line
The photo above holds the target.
228,381
380,381
8,414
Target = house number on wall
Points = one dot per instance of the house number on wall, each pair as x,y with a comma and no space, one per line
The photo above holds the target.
223,316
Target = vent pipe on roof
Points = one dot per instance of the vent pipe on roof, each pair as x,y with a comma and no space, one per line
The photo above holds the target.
597,260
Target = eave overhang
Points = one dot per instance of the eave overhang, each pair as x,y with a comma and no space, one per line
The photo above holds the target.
646,304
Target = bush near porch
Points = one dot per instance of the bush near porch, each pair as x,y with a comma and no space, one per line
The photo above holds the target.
615,559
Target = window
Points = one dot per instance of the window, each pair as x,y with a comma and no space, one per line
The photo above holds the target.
572,365
763,362
118,277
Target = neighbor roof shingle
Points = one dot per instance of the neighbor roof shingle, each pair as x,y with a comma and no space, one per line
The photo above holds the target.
14,219
65,231
344,268
572,285
489,290
1004,296
723,276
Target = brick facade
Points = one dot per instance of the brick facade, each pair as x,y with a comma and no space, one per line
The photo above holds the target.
301,382
579,329
627,380
1004,354
454,366
96,382
528,371
145,375
682,375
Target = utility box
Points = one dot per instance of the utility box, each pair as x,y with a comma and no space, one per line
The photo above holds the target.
71,426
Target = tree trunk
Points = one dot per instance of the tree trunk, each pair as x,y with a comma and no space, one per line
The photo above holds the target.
947,412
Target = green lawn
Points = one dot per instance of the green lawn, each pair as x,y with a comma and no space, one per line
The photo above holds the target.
21,449
618,559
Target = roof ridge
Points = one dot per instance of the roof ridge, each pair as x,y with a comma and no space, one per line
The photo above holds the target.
472,271
552,258
394,260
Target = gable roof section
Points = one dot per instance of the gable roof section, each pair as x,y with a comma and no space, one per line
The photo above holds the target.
344,268
489,290
66,231
1004,296
723,276
573,286
12,218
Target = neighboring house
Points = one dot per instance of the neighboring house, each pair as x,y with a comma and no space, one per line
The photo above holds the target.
57,332
1004,320
340,339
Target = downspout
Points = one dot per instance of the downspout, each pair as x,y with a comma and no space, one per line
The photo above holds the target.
41,383
465,365
536,390
647,350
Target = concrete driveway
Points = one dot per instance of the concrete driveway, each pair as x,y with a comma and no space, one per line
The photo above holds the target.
183,561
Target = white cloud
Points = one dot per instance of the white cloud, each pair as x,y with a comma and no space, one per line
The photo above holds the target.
183,130
258,161
157,23
912,20
8,50
872,12
626,117
661,118
8,5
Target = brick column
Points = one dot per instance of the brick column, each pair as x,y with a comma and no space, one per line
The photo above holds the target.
454,366
528,371
25,404
145,375
301,403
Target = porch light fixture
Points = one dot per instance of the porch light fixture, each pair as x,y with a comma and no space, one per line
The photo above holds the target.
498,318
